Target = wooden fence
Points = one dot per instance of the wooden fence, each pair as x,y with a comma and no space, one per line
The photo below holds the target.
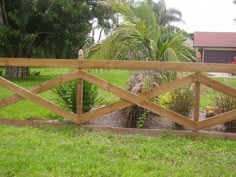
127,98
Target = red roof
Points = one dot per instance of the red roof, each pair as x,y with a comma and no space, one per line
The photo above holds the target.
214,39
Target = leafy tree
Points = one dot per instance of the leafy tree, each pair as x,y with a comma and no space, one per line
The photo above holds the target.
104,20
49,28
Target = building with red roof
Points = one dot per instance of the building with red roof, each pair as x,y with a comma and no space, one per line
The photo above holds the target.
215,47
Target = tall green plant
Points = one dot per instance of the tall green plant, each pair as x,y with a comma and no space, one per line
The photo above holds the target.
67,94
181,101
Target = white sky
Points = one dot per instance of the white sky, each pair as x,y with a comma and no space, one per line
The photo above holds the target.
205,15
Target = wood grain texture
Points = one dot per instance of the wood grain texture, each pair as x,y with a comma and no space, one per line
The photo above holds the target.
160,66
80,88
114,64
42,62
32,123
196,102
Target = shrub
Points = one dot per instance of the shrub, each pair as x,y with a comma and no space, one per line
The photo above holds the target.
180,101
226,103
67,94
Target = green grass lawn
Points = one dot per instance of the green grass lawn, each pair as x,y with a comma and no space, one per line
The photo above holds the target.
68,152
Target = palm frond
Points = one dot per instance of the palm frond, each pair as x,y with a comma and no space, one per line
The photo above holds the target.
146,14
128,41
121,7
166,16
174,12
181,49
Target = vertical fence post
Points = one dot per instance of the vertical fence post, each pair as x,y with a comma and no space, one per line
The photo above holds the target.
80,88
196,101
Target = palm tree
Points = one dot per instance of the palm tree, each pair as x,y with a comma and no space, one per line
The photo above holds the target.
165,16
140,37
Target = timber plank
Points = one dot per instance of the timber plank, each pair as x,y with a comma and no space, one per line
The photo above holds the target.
218,119
32,123
217,85
196,101
80,89
42,62
170,86
37,99
41,88
116,130
136,99
113,64
160,66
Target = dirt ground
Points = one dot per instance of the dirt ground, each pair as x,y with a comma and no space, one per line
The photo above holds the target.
115,119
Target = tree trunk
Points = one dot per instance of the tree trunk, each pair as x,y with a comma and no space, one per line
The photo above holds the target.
20,72
1,15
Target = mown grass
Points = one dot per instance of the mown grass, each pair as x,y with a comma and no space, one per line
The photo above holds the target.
49,152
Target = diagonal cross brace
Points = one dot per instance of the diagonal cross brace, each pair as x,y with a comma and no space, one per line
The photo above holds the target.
148,94
230,91
216,120
137,100
40,88
38,100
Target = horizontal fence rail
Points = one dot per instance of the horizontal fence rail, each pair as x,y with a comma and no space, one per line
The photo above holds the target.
127,98
113,64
